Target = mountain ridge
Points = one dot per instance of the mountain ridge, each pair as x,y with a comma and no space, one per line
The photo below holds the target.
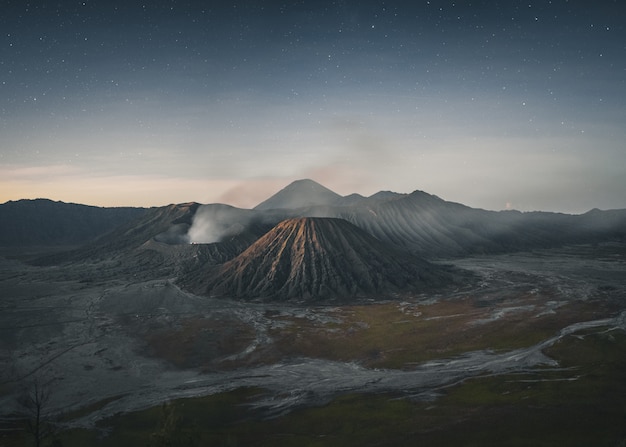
41,222
319,258
419,222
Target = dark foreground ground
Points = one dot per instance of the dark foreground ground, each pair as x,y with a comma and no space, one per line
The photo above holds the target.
534,354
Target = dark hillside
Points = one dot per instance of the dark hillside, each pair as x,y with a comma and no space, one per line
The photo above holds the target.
43,222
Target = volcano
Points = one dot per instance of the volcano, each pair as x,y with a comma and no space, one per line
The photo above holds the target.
300,194
320,258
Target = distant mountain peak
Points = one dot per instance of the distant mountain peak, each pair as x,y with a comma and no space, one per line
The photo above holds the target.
305,182
386,195
300,194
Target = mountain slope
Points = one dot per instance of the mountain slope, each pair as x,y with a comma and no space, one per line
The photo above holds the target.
299,194
419,223
319,258
431,227
44,222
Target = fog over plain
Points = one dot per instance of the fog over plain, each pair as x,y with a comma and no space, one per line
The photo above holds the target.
492,105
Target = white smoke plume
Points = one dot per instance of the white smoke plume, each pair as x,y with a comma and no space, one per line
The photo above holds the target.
215,222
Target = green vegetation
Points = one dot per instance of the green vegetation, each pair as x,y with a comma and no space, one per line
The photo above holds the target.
212,420
393,335
200,342
580,404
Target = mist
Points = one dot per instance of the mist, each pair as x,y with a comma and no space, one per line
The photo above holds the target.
215,222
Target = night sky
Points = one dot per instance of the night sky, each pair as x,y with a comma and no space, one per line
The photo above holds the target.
492,104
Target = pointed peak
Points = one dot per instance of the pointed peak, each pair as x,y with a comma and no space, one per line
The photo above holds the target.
305,182
300,194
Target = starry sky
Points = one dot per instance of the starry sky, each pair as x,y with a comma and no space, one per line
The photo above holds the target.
494,104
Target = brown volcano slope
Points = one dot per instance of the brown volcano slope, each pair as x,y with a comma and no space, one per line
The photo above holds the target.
318,258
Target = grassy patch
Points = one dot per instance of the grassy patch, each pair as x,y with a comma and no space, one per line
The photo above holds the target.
581,404
200,342
214,420
396,335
